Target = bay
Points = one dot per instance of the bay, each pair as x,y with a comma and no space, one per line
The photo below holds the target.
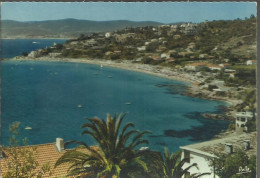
45,96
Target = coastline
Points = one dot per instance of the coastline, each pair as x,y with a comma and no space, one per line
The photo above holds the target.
160,71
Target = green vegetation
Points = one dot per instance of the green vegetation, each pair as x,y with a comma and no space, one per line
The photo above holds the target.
116,155
21,161
171,166
228,165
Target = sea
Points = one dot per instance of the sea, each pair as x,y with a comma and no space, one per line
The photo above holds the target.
55,98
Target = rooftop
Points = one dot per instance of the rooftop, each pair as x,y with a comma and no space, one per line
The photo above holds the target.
218,145
45,153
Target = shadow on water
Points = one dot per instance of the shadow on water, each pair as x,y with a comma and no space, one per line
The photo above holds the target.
199,133
206,131
174,88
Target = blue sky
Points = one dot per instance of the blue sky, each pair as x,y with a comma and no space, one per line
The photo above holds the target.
165,12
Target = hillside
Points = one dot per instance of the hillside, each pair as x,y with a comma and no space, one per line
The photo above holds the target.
66,28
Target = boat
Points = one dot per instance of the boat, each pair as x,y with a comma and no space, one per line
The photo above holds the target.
28,128
110,76
101,66
35,42
127,103
79,106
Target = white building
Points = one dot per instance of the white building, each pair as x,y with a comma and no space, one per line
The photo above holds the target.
202,153
54,54
108,35
165,55
142,48
241,120
250,62
34,54
195,66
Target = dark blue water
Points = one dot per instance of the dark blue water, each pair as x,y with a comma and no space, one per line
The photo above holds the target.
46,95
15,47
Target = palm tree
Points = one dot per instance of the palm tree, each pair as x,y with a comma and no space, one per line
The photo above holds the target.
116,154
171,165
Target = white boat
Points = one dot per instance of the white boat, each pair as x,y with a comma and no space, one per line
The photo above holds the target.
127,103
28,128
79,106
101,66
35,42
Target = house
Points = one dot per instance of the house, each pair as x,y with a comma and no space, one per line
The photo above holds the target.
147,43
250,62
34,54
202,153
155,57
141,48
214,67
241,119
54,54
176,37
195,66
166,55
225,65
171,59
232,75
46,153
108,35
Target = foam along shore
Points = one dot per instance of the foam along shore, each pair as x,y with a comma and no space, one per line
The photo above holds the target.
160,71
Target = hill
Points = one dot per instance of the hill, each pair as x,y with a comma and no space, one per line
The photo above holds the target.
66,28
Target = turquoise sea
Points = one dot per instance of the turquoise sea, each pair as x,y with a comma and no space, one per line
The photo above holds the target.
46,95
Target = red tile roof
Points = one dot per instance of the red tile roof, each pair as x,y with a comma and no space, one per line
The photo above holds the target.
45,153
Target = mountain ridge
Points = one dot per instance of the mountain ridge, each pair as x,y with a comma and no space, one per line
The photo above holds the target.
65,28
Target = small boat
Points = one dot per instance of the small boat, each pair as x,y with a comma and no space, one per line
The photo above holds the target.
28,128
127,103
79,106
101,66
110,76
35,42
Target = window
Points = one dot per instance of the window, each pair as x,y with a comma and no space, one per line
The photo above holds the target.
243,119
187,155
242,125
238,119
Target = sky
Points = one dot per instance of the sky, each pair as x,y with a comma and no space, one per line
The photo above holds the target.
164,12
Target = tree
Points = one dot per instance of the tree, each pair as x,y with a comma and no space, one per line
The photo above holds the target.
171,165
21,161
116,155
228,165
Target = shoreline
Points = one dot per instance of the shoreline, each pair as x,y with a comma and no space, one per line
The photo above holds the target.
159,71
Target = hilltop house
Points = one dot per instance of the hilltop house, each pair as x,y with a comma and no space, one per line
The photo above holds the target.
202,153
241,119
